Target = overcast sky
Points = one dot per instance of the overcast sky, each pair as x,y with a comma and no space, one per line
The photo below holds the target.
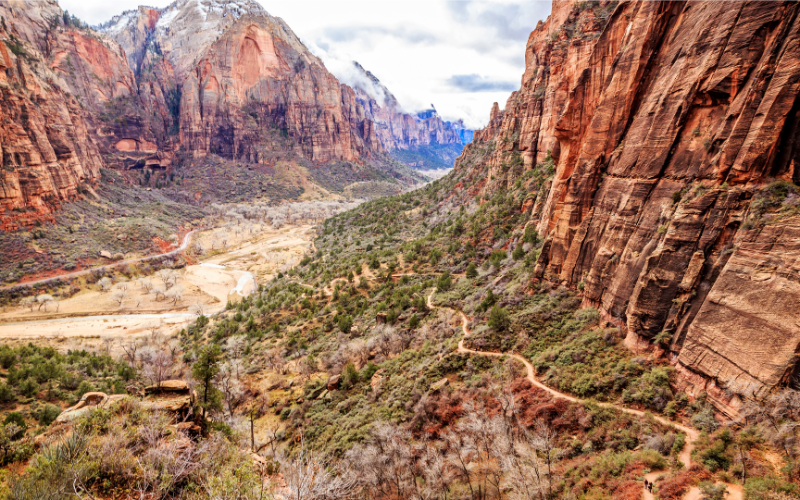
460,56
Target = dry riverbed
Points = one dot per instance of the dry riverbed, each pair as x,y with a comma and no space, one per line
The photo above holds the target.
93,319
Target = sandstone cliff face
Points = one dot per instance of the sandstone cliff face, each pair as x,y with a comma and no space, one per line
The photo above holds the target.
666,123
397,129
239,71
49,76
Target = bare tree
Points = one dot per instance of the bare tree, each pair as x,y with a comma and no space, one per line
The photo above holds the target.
29,302
309,477
360,349
198,308
385,467
258,406
107,341
130,353
156,365
119,296
168,277
175,294
157,293
231,387
543,440
105,283
146,284
44,300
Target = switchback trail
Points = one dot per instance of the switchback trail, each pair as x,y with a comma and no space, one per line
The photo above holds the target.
83,272
685,456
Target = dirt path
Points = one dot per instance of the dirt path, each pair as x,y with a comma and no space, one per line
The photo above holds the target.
734,490
84,272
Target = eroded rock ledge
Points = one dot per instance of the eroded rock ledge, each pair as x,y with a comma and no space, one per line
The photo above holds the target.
668,124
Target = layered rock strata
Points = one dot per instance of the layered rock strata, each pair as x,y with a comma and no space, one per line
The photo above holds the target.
239,73
669,124
199,76
398,130
51,72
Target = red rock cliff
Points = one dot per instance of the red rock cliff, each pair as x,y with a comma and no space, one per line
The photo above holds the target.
239,72
50,74
670,126
395,128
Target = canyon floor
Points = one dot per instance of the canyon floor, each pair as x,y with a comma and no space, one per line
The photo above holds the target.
93,319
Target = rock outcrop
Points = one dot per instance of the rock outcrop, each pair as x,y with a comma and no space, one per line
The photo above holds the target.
399,130
672,131
197,78
241,78
46,150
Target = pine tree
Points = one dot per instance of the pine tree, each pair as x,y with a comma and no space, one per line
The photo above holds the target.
204,370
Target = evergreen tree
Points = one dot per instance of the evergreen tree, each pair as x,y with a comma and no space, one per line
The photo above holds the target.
498,319
472,270
204,370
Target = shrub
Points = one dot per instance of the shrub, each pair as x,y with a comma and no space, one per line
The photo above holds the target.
6,394
350,376
368,371
497,257
29,387
83,388
764,488
7,357
445,282
48,414
345,323
18,420
531,235
704,419
498,319
472,270
713,491
715,458
434,256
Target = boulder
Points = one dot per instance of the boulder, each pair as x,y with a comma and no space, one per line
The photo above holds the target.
439,385
168,386
316,392
169,404
333,382
88,402
377,379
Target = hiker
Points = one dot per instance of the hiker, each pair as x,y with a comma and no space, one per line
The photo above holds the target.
650,487
645,484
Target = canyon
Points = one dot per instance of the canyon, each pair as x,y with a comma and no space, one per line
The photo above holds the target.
596,301
166,88
398,130
671,129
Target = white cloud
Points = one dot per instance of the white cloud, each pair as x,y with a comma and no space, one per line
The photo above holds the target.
460,56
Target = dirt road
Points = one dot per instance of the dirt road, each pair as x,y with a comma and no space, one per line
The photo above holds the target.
84,272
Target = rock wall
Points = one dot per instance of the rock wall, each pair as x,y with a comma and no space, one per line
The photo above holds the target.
397,129
199,76
48,77
669,124
234,72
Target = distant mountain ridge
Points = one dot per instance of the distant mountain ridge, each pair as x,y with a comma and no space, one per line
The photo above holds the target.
420,140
